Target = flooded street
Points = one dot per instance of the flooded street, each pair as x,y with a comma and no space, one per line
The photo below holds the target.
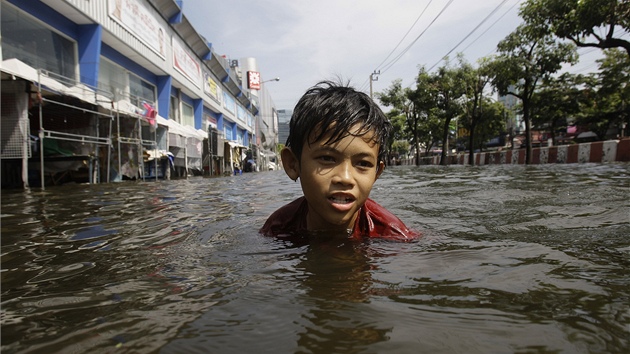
514,259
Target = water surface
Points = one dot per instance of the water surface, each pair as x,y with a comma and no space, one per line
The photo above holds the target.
514,259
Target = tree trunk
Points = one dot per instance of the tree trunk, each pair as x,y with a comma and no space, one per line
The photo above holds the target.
417,146
471,155
528,133
443,156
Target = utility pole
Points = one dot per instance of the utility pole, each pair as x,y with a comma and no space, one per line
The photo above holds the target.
373,77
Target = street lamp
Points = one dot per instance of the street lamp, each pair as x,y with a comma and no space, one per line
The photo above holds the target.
275,79
266,110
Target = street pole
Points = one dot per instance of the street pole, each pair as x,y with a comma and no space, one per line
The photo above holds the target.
267,110
373,77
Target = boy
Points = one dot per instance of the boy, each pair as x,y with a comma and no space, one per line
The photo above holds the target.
336,146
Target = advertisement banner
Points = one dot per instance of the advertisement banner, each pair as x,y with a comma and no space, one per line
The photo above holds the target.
140,22
253,80
210,87
185,63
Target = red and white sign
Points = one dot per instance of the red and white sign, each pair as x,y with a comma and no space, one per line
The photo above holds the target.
253,80
186,63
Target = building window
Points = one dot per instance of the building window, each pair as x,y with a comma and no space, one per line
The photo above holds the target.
227,131
188,117
30,41
173,113
141,90
112,78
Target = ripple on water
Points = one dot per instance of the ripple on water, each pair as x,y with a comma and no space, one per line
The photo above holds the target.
61,272
513,259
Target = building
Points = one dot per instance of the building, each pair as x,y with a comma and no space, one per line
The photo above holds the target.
103,91
266,122
284,117
512,104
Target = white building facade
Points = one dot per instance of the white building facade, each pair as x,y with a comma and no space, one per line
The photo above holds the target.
133,77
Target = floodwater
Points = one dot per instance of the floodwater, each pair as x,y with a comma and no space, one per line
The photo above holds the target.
514,259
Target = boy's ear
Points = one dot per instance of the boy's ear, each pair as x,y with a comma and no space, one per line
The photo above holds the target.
380,169
290,163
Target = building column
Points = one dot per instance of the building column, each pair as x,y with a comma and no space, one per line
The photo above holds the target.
164,95
198,111
89,45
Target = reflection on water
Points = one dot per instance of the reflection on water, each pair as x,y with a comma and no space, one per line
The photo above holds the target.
524,259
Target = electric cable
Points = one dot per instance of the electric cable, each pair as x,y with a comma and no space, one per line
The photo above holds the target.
393,61
405,36
492,25
470,33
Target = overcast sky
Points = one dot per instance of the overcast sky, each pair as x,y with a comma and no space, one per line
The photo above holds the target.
303,42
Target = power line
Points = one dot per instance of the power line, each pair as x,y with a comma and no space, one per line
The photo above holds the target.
584,69
393,61
492,25
470,33
363,87
406,34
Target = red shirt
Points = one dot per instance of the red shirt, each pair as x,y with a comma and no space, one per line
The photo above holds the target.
373,221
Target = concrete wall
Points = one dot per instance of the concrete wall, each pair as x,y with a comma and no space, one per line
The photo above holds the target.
599,151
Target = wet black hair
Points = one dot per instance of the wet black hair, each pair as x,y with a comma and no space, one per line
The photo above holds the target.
334,108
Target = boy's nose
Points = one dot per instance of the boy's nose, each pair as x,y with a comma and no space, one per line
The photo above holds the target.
343,173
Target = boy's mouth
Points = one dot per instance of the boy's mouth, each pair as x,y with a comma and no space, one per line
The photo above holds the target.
341,199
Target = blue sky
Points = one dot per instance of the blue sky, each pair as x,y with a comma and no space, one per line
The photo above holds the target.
303,42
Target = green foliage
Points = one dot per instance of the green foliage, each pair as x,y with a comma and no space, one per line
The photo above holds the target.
429,110
449,83
399,128
606,99
526,57
492,122
476,81
525,67
558,99
401,147
587,23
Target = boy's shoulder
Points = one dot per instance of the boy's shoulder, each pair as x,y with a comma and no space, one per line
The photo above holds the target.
376,221
288,219
373,221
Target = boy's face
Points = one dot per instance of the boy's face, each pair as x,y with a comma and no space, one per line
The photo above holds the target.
336,179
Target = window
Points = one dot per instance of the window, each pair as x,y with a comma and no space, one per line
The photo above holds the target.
30,41
140,90
174,109
112,78
227,131
188,117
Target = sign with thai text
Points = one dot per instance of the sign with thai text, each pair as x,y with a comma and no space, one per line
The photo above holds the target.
186,63
138,20
210,87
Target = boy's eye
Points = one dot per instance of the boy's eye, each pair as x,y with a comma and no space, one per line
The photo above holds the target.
365,164
326,158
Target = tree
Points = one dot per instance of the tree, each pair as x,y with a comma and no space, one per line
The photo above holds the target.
526,56
609,95
587,23
399,98
449,84
476,81
491,122
415,105
557,99
399,132
425,95
400,147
